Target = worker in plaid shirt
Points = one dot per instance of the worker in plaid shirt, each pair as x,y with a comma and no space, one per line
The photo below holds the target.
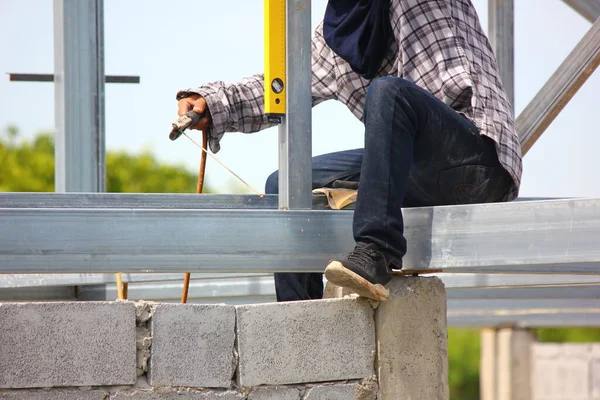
422,77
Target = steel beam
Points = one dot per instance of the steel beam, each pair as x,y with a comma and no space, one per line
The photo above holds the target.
523,313
50,78
589,9
145,201
295,141
54,280
560,88
558,236
451,281
79,95
501,14
263,285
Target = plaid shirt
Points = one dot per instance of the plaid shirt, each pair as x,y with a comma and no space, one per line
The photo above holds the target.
439,45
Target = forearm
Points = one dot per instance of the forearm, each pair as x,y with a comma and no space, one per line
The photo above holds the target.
234,107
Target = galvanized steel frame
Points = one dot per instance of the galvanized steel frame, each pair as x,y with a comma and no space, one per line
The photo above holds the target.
558,236
534,237
79,95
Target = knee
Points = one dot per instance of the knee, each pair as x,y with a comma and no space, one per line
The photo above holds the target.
272,184
386,88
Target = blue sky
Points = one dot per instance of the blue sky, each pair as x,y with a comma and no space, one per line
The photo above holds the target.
222,40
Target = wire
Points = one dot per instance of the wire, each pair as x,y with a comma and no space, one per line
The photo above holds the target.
226,167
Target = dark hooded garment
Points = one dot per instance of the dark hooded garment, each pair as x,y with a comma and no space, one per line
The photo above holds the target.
359,31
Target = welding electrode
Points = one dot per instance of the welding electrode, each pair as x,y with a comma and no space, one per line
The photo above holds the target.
183,122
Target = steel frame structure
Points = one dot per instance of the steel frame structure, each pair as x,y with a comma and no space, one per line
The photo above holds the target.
543,253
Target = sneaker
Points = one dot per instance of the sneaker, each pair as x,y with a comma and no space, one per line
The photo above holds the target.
364,271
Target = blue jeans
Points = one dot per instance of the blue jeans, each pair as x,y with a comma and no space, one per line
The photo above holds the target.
418,152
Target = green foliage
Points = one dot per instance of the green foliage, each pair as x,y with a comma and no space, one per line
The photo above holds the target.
571,335
464,349
28,166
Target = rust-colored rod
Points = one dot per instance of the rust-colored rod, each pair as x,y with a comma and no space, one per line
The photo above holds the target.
199,188
120,292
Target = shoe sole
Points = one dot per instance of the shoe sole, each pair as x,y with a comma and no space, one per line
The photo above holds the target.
339,275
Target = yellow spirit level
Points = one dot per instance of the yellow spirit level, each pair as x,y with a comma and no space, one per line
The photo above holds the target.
275,83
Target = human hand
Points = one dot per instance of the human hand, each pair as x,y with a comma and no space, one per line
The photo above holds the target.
198,104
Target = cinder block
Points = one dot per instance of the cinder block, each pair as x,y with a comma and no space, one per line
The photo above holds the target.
192,345
274,393
346,391
306,341
560,379
545,350
412,340
576,350
67,344
54,394
178,395
595,378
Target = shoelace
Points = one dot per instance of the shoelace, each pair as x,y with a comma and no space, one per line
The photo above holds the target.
363,255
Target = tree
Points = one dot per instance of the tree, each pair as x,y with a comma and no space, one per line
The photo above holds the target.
28,166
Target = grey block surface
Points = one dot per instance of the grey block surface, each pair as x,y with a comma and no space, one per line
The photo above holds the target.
192,345
275,393
54,394
412,340
67,344
305,341
179,395
347,391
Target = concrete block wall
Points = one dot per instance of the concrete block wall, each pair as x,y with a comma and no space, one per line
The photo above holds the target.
317,350
514,366
565,371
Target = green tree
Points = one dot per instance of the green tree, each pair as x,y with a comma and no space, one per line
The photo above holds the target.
28,166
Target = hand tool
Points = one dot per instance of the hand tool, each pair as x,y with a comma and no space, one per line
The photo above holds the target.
183,122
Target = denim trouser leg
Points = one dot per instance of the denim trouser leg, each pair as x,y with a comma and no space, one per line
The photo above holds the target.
326,169
418,152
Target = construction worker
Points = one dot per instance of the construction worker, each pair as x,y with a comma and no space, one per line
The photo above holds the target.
422,77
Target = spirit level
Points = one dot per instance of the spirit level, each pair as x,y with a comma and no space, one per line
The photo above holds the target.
275,79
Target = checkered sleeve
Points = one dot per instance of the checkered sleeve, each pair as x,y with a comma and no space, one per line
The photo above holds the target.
239,106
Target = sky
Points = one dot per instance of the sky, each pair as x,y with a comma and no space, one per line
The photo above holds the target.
179,44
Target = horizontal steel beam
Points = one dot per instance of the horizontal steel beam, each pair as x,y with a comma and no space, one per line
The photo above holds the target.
558,236
15,77
264,286
560,88
46,280
451,281
589,9
526,313
158,201
145,201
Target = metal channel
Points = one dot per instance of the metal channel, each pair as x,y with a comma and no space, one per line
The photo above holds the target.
525,313
589,9
79,95
560,88
501,14
451,281
559,236
50,78
263,286
295,141
145,201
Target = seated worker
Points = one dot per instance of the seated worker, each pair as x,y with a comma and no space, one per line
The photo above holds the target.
422,77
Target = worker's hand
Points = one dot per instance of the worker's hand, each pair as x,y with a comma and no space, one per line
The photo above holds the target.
198,104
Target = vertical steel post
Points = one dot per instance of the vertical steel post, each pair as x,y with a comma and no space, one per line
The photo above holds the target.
501,33
295,141
79,95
